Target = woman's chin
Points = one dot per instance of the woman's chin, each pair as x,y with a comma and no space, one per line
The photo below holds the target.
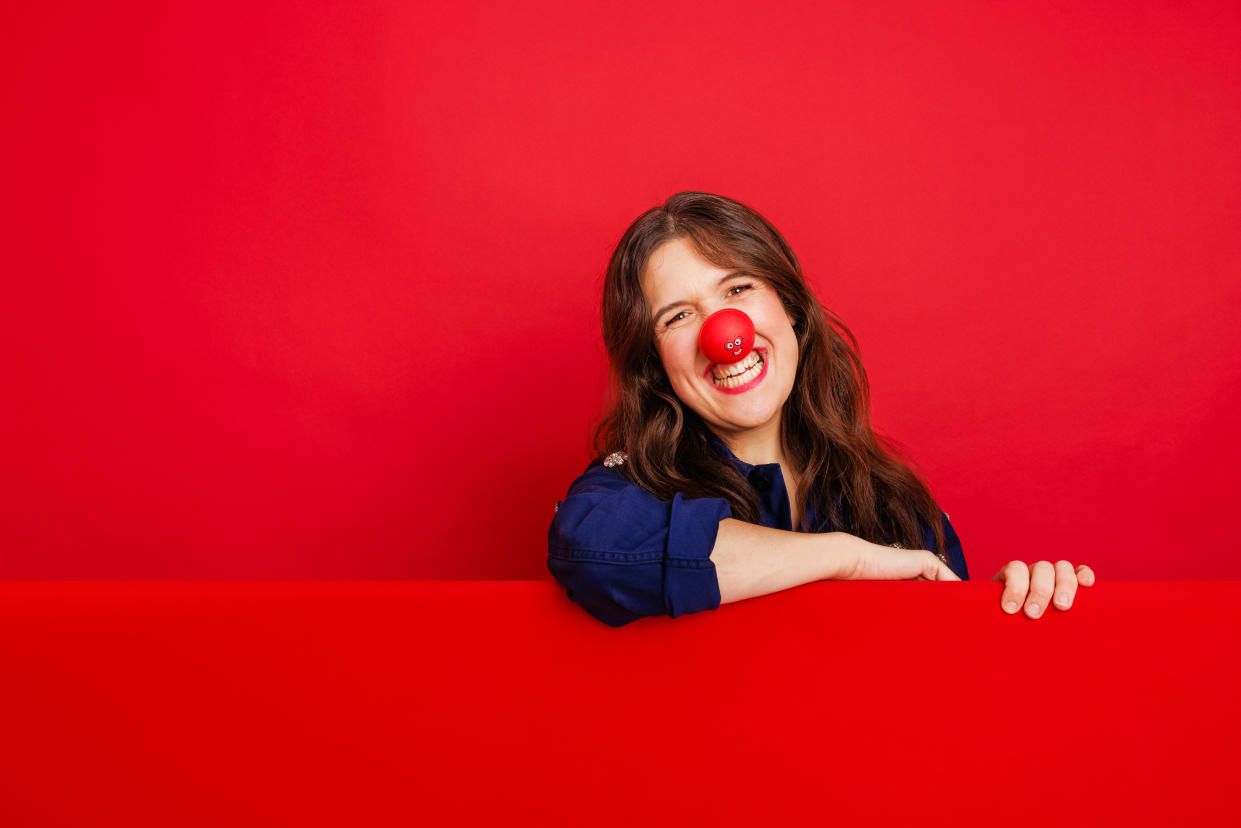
745,418
751,409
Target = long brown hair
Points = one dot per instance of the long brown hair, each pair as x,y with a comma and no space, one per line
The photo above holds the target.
826,426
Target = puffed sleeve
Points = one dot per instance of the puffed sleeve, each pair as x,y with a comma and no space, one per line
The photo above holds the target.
622,554
952,544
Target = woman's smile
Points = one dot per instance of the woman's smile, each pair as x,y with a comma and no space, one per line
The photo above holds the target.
740,376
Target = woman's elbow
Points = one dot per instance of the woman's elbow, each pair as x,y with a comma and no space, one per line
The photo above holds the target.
606,591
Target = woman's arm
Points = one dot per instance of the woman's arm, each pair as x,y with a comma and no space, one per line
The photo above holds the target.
622,554
753,560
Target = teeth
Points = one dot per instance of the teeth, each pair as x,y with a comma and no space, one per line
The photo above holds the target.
756,368
723,371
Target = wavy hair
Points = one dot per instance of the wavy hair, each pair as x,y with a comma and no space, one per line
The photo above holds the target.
825,423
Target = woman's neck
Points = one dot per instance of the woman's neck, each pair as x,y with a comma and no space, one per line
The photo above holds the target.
756,446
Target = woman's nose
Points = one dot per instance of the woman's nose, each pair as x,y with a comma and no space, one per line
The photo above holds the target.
727,336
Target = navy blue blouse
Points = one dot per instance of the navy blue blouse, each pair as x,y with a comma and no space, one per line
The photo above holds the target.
622,554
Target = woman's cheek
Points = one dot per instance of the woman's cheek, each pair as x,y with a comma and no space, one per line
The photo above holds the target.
674,352
683,349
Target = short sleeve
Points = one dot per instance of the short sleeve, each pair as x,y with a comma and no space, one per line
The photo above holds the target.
622,554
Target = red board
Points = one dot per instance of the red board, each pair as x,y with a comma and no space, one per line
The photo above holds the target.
436,703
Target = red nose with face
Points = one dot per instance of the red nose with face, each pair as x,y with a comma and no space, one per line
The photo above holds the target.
727,336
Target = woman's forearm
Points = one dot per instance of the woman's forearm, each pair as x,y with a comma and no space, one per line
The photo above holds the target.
752,560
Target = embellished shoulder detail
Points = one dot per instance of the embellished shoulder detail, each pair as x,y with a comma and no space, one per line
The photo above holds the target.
616,458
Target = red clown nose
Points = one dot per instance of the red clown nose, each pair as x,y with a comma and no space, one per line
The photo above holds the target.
727,336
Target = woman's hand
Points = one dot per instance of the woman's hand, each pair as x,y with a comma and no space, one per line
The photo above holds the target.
868,561
1034,585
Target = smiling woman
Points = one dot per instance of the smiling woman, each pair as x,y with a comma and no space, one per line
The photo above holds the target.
719,481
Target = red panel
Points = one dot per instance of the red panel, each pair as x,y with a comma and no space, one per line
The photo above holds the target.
462,702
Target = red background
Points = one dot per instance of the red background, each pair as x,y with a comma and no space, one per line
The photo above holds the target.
311,291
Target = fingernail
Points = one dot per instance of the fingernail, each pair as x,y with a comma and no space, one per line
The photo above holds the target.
1011,606
1034,610
1062,600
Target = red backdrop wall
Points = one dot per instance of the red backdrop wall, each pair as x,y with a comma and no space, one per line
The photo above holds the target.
311,290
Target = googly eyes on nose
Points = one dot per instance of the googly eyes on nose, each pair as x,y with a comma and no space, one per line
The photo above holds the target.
737,329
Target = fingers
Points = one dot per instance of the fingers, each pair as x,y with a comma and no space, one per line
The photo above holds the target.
933,569
1042,583
944,572
1036,583
1066,584
1016,578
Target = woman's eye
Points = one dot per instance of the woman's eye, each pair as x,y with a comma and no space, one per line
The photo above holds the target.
738,288
674,319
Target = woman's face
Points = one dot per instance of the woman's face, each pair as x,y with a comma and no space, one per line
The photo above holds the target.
682,290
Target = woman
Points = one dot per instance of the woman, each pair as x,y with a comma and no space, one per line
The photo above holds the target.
720,482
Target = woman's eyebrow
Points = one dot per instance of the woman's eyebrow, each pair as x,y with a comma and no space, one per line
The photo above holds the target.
672,305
